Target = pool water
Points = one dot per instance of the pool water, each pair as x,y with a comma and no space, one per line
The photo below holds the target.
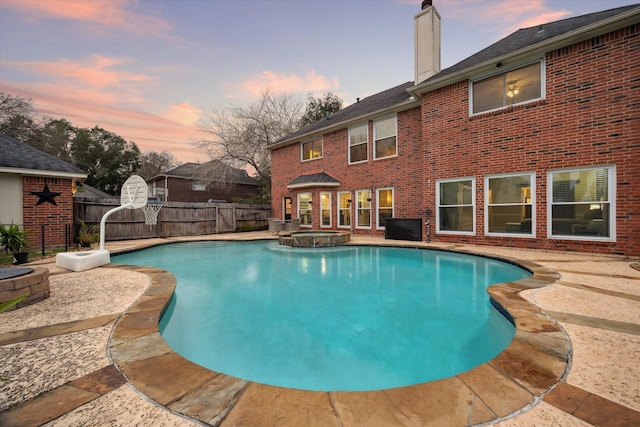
351,318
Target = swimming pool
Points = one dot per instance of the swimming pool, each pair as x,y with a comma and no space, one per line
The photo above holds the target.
350,318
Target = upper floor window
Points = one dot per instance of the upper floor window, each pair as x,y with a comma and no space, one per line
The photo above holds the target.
509,204
513,87
385,141
582,203
358,138
312,149
456,205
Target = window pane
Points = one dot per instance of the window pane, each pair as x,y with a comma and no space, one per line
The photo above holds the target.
385,198
580,203
512,189
363,211
304,208
509,219
312,149
488,94
455,193
524,84
325,209
358,153
358,134
344,209
385,128
456,218
386,147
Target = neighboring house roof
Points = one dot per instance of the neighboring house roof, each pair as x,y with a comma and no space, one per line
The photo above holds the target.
193,171
320,179
90,192
375,103
20,158
525,40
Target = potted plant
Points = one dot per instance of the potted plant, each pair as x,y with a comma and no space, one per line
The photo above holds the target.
87,234
14,239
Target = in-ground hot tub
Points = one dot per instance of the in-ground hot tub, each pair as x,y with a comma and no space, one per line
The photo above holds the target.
313,239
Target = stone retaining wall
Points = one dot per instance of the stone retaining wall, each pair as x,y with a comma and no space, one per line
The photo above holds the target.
34,284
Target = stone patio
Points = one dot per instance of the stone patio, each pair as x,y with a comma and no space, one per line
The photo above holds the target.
91,354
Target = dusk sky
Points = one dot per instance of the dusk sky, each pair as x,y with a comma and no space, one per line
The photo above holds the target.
148,70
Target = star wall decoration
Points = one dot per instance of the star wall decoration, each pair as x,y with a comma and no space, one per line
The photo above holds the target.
46,195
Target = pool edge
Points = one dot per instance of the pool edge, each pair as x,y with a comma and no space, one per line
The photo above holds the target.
535,361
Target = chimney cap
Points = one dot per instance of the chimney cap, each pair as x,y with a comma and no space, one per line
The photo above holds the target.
426,4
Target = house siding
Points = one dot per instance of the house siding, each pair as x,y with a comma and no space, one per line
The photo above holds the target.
180,190
589,116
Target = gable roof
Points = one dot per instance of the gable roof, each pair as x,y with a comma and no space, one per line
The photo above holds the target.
193,171
535,40
524,41
20,158
380,102
319,179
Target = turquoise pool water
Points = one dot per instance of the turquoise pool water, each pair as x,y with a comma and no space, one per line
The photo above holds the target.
348,318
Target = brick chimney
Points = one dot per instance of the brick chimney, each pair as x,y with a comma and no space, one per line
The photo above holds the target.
426,42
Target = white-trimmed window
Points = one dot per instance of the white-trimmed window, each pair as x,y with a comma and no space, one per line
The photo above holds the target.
312,149
509,204
363,209
304,209
358,143
582,203
325,209
385,142
512,87
384,201
456,205
344,209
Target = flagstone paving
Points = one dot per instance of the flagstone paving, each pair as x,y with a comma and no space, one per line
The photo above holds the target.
91,354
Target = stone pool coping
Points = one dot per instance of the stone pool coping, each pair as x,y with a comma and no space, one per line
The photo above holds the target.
535,361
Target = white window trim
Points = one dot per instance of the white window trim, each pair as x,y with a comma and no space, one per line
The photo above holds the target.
395,116
365,143
350,208
310,209
543,87
611,176
357,225
330,210
393,205
473,205
531,235
302,159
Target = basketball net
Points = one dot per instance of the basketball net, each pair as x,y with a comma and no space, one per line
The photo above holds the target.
151,213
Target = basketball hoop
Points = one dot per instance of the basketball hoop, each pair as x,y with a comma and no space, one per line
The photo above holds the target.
151,213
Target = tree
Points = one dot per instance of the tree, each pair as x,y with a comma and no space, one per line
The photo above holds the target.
54,137
17,117
239,137
106,157
153,163
319,108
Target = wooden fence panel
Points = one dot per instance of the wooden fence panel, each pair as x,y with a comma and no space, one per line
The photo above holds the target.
174,218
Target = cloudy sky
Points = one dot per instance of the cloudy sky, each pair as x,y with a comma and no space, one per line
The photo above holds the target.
149,69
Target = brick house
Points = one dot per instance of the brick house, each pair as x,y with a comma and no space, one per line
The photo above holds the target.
532,142
189,183
36,190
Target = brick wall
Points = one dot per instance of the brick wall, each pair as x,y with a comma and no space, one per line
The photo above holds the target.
53,217
590,116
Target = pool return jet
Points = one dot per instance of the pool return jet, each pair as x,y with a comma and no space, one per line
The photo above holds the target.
133,196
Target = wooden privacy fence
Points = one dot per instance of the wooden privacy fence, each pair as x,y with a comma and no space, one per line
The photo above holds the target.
174,218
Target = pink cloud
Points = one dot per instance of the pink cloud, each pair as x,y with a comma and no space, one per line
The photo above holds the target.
148,131
282,83
100,14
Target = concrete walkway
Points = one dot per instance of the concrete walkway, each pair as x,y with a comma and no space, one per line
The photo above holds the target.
90,355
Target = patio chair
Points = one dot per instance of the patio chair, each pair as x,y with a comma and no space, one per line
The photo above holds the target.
275,225
294,225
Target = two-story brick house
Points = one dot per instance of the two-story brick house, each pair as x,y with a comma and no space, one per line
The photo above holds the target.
532,142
